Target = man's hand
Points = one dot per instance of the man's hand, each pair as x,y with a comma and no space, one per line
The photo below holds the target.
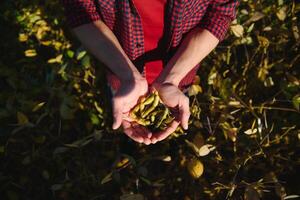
123,101
174,98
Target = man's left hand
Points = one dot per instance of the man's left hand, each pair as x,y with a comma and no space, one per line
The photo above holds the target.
175,99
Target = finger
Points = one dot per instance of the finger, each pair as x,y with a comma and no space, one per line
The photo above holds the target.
164,134
147,132
126,124
117,114
147,141
184,113
130,132
143,131
153,140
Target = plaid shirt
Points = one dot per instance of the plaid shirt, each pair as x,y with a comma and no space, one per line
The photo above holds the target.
181,16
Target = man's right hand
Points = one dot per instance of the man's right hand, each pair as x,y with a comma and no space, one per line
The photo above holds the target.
123,101
104,45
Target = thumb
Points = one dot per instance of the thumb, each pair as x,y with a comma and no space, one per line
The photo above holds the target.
117,114
184,113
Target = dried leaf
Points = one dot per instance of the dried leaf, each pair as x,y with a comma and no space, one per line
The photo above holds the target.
250,131
263,41
38,106
195,168
255,17
206,149
281,14
107,178
291,197
237,30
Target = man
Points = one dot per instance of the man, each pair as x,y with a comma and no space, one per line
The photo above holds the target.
157,43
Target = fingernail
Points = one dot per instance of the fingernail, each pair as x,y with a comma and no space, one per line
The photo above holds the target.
114,127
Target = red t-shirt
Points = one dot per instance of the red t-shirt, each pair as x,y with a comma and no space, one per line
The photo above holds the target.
152,16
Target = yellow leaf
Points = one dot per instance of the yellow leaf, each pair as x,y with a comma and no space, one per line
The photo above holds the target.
30,53
46,43
123,163
57,45
263,41
237,30
195,168
281,14
194,90
22,118
234,103
57,59
23,37
98,108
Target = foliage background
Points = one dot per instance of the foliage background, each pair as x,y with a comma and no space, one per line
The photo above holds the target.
55,136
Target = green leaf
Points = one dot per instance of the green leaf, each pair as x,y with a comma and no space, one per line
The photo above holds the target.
94,119
40,139
80,55
22,118
70,54
296,101
2,149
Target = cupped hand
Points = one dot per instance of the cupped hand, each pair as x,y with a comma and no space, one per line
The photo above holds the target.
175,99
123,101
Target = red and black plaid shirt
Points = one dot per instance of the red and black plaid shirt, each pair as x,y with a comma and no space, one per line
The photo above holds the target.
181,16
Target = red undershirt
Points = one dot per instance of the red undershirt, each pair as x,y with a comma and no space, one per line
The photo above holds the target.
152,16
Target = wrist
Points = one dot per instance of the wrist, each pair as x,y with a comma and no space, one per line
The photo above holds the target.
132,77
169,79
129,75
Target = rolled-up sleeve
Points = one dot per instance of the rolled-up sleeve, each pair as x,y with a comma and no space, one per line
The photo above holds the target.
79,12
218,17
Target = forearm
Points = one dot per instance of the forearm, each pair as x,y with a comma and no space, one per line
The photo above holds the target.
103,44
194,48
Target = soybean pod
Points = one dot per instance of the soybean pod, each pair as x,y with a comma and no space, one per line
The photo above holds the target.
163,117
153,106
149,100
143,122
